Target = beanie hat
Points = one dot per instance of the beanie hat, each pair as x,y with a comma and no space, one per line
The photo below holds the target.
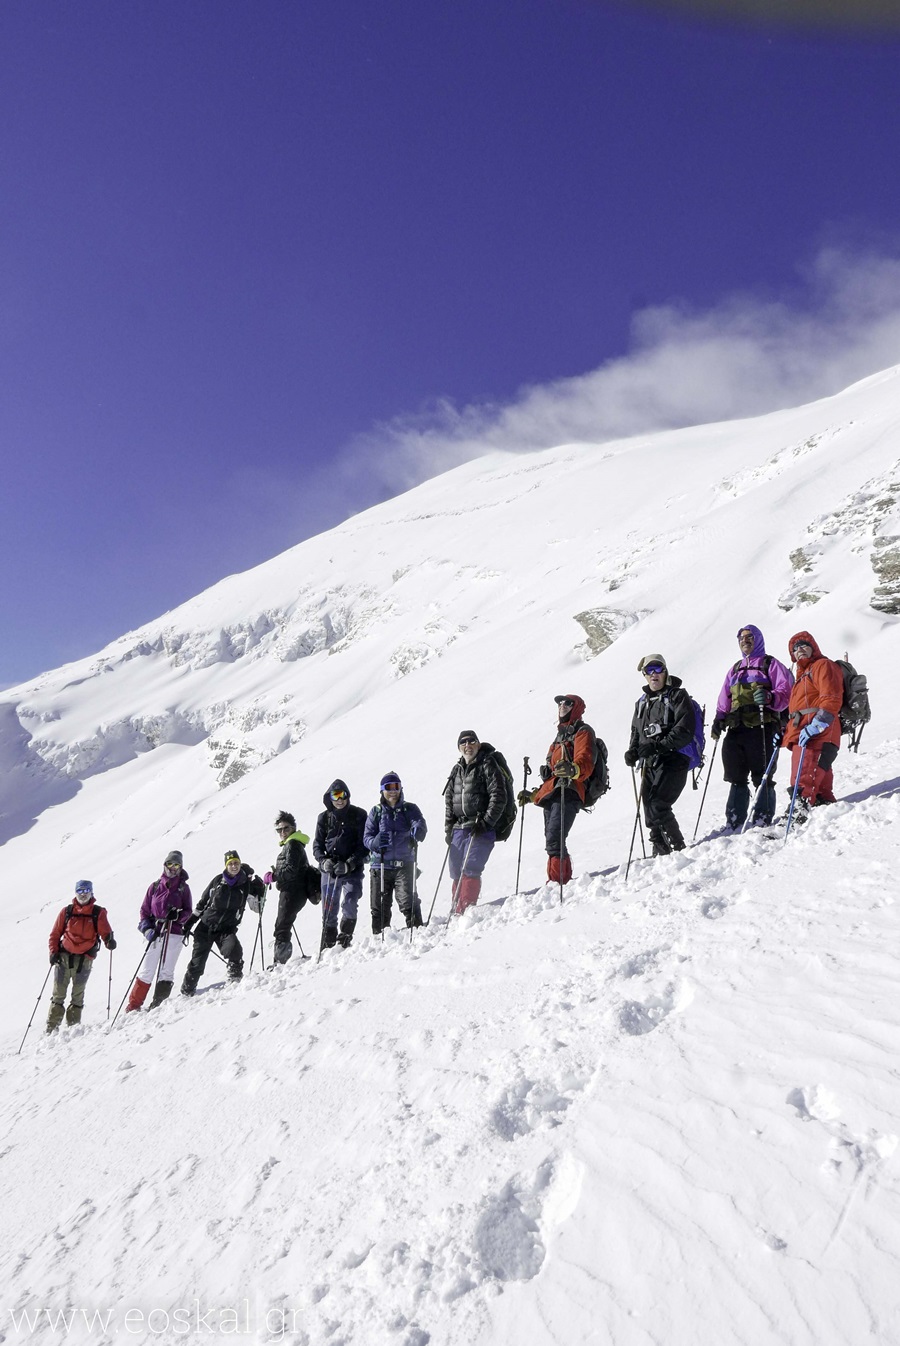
466,733
174,858
391,779
652,659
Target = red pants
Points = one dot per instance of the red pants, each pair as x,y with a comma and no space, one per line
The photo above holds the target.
816,778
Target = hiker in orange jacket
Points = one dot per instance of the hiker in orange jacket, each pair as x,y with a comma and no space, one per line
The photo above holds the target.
814,723
570,762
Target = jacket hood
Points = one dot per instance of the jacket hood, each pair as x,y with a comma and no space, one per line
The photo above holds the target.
81,905
816,652
759,645
577,711
335,785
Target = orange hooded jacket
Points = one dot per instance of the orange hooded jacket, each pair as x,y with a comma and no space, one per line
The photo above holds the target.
819,686
578,749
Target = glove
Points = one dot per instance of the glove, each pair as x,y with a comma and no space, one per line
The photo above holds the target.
190,923
149,933
815,726
448,835
327,866
110,943
631,758
173,913
340,868
545,771
525,797
55,958
761,695
268,878
565,770
646,752
718,727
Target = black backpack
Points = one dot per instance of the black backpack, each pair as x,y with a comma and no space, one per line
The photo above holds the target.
510,809
597,783
855,710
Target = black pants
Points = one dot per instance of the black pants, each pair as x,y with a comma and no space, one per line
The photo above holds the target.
228,945
388,883
746,752
663,780
553,813
289,905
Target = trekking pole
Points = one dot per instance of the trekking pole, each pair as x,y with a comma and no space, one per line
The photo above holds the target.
329,889
162,956
36,1003
762,785
796,788
415,893
131,983
109,986
706,786
527,770
637,818
258,937
299,945
855,739
438,884
562,831
637,803
381,897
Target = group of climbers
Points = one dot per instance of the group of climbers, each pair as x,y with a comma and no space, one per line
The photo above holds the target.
760,707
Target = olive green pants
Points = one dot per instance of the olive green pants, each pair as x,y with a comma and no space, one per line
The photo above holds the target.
75,969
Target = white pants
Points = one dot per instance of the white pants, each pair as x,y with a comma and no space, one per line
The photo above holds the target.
151,959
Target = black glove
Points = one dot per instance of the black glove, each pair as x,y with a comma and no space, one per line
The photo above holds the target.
110,943
55,958
448,835
190,923
173,913
546,773
328,866
631,758
646,752
717,729
340,868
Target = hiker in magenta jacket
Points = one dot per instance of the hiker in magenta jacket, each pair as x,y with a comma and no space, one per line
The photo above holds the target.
752,706
165,909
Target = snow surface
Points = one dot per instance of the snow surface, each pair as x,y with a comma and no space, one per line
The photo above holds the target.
665,1111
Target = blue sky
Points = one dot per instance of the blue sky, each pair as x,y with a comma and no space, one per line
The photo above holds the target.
263,264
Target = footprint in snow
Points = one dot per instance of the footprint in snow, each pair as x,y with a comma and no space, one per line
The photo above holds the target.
636,1017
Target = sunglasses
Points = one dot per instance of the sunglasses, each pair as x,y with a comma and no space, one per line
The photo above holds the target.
654,668
564,701
468,739
285,829
802,645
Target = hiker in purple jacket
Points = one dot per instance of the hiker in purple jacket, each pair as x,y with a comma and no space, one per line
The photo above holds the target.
165,909
751,707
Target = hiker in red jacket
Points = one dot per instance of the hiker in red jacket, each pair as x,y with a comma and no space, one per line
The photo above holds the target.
814,723
74,944
570,761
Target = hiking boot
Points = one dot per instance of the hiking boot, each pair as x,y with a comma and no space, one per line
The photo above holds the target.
162,992
329,937
189,985
235,971
283,950
345,938
73,1014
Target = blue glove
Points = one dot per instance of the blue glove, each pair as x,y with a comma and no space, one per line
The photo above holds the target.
815,726
149,933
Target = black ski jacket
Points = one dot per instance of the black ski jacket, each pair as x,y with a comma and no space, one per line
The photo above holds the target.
222,904
475,790
289,869
671,710
339,832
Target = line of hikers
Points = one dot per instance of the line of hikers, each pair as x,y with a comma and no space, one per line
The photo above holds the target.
761,706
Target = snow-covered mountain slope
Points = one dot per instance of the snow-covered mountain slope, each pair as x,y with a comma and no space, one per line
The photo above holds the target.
665,1111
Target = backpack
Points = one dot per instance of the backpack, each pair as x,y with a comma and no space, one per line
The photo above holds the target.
597,783
313,879
855,709
694,751
95,917
507,820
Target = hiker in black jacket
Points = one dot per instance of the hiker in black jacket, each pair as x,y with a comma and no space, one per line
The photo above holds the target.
341,854
217,917
474,801
663,723
289,875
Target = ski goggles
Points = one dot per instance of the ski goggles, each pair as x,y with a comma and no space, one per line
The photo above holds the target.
654,668
172,867
393,788
338,795
800,646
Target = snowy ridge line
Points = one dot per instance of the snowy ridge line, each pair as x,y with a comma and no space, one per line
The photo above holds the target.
616,1115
